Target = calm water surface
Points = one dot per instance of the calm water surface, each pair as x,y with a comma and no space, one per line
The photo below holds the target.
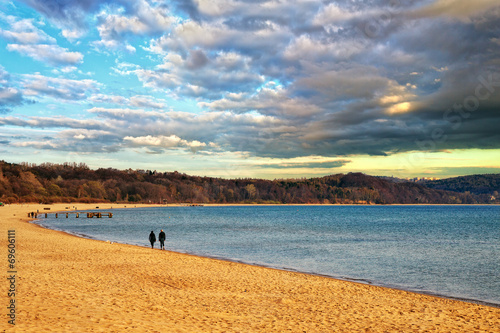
452,251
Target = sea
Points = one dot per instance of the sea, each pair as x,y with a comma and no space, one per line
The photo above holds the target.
451,251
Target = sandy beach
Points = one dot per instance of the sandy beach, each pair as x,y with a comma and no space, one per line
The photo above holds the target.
63,283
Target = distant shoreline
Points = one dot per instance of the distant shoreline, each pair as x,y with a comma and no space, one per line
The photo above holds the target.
144,205
49,183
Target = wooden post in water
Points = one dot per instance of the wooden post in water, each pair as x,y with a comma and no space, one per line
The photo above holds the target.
77,215
56,215
66,215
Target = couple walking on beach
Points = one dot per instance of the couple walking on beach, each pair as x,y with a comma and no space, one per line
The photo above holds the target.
161,238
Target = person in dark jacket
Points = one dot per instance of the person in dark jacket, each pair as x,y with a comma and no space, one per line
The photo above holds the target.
152,238
161,238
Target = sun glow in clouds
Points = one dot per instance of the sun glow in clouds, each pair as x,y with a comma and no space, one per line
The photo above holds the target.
400,108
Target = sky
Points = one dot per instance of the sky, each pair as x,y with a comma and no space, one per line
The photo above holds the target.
253,88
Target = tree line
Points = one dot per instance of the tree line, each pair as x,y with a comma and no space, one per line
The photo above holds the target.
71,182
477,184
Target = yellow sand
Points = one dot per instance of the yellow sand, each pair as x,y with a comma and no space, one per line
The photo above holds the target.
69,284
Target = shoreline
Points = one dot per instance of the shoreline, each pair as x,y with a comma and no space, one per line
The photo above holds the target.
285,269
340,278
229,296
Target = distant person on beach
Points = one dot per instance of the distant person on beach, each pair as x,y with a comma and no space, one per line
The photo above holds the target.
152,238
161,238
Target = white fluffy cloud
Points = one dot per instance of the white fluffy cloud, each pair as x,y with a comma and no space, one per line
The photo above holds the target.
31,41
23,31
37,85
140,101
144,20
162,141
147,102
51,54
199,75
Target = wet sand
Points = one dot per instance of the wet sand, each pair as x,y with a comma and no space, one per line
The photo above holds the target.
68,284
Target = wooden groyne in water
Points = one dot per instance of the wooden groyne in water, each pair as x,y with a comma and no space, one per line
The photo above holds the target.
88,214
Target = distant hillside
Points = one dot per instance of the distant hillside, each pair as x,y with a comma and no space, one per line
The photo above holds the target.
77,183
476,184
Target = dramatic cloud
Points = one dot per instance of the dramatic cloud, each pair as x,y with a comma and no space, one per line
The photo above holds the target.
257,79
121,128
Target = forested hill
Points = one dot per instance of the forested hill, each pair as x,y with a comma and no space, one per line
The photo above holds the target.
77,183
476,184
